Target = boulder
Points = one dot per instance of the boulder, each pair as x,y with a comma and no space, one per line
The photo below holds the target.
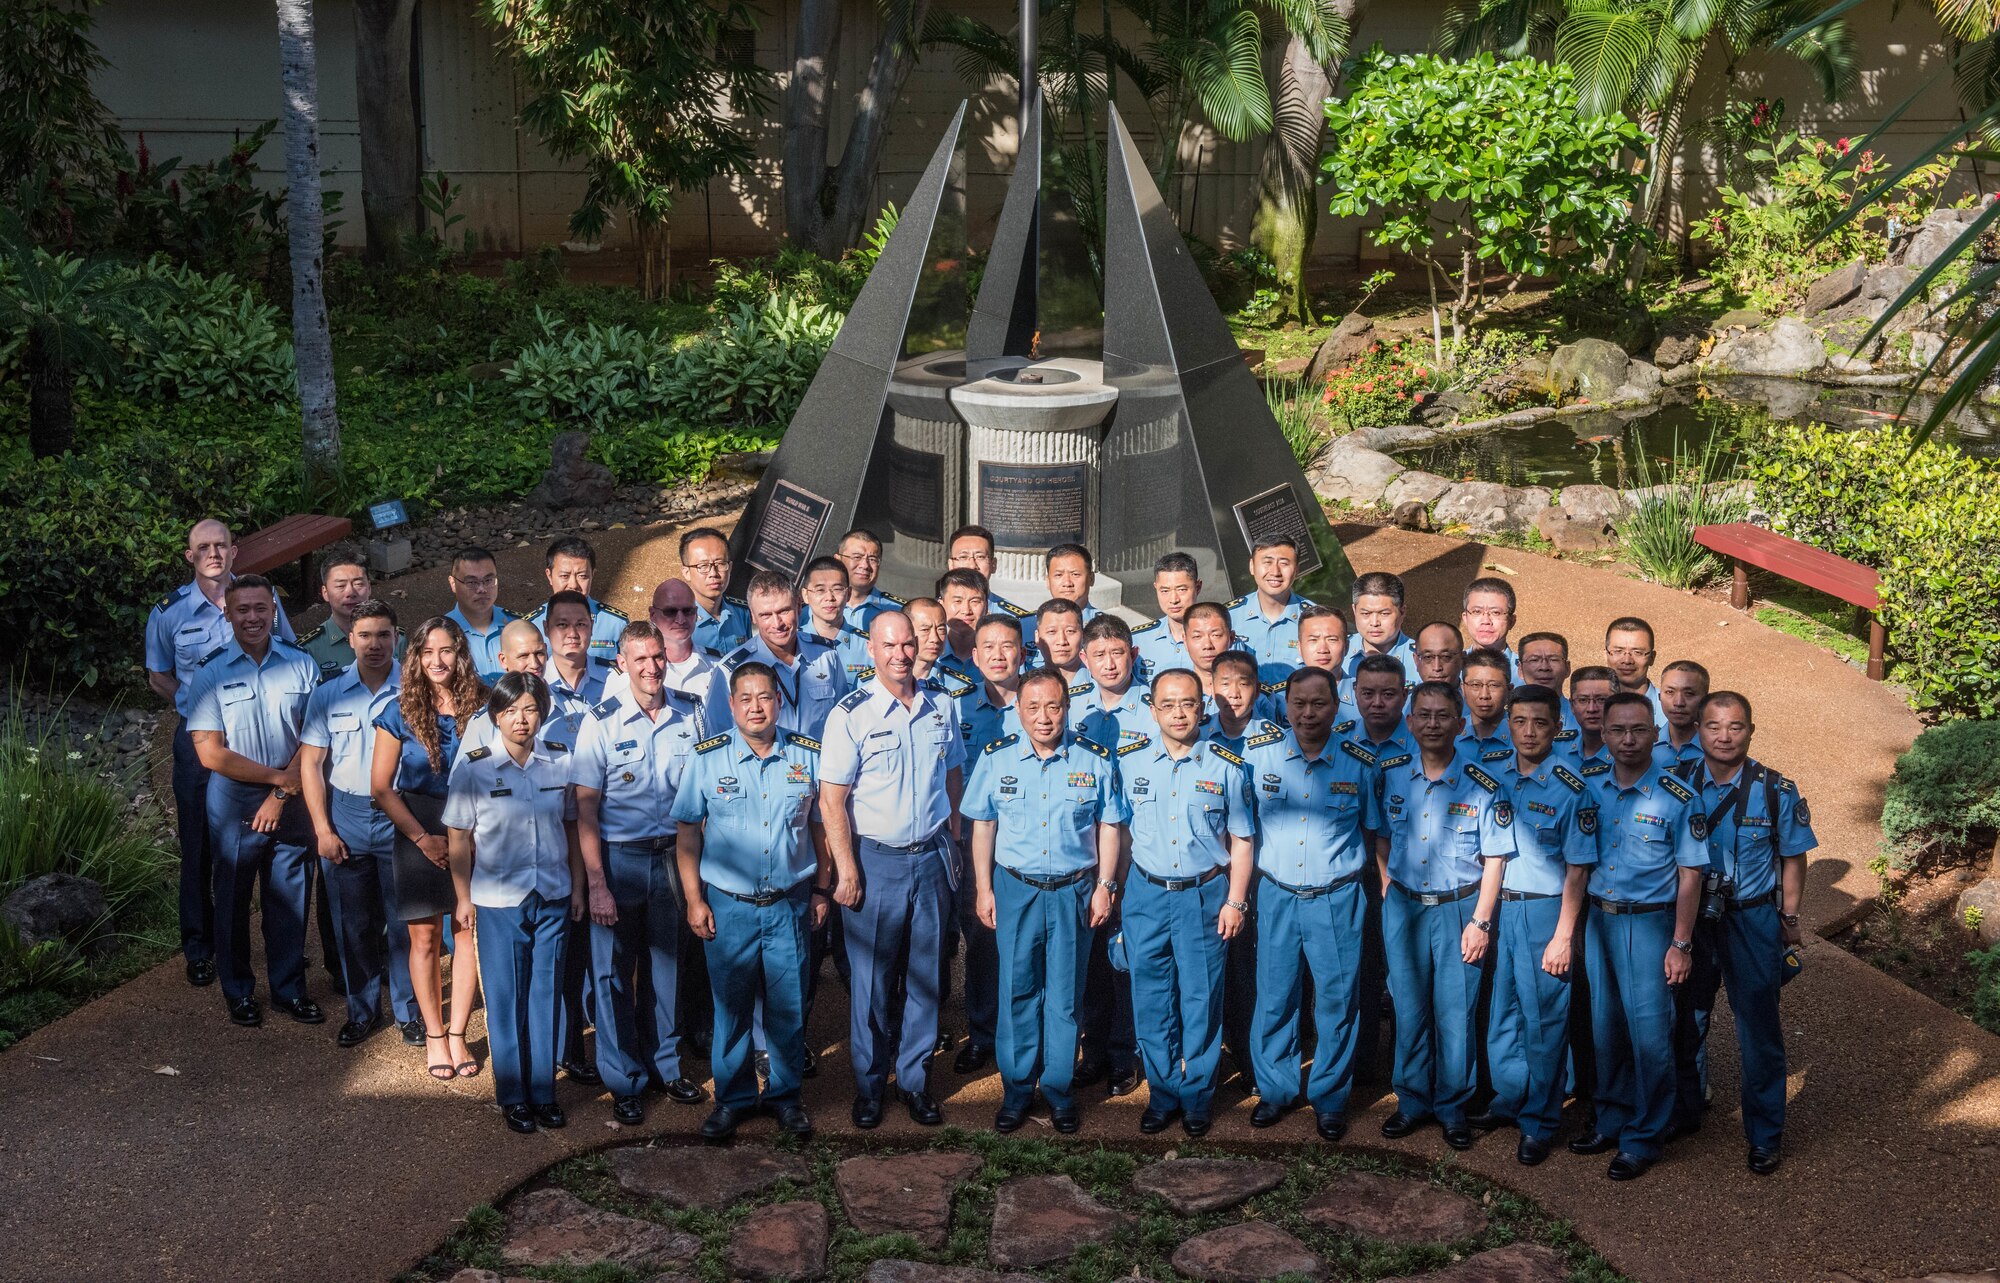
1682,374
1487,507
712,1178
1741,318
61,907
1924,348
1039,1220
1984,899
1642,383
1411,516
1888,282
1836,287
1841,363
572,481
1569,536
1676,349
1394,1209
1954,1276
1349,341
1192,1186
1520,1263
1416,487
555,1227
1590,368
1353,473
1596,507
905,1193
1932,239
781,1241
1246,1253
921,1272
1789,348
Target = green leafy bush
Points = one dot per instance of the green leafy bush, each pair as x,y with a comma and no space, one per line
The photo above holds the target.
1659,537
1986,988
1379,388
1942,805
207,336
592,376
796,274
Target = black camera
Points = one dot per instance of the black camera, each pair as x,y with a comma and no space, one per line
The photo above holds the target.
1717,889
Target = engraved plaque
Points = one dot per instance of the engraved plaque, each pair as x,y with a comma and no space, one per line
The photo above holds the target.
1277,512
916,491
1033,505
788,531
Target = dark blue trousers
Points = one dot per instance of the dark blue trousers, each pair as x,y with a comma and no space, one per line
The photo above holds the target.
1105,1035
1742,951
1437,998
1177,964
520,960
906,898
242,857
1528,1039
1322,937
758,960
1044,939
982,964
374,940
1632,1013
197,896
634,968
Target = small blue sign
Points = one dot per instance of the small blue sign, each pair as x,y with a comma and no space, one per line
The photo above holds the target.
388,513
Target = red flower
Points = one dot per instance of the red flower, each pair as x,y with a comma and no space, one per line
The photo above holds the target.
1841,147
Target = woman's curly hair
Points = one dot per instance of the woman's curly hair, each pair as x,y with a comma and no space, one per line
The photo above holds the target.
420,695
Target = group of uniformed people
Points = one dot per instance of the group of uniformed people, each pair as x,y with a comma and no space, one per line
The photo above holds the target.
1262,825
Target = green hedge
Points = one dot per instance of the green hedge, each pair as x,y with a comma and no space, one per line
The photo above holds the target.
1928,520
1942,805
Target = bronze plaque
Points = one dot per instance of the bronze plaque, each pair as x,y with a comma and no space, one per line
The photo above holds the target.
788,531
1033,505
1277,512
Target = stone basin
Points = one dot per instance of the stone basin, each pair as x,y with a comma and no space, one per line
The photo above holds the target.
1064,394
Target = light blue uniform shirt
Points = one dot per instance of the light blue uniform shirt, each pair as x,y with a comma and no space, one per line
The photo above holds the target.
1747,843
809,686
485,646
1492,752
1442,831
1667,757
1646,833
1047,808
1271,704
852,643
1652,694
606,623
584,695
726,629
1184,809
1403,649
556,737
1275,642
1313,814
259,708
340,718
1158,650
1555,826
895,759
1398,742
635,762
516,815
1116,725
981,721
1569,751
186,628
1211,732
861,614
752,811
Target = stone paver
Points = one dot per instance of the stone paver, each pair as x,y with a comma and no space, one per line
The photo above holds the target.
904,1193
919,1272
1395,1209
1520,1263
1246,1253
713,1178
1038,1220
782,1241
555,1227
1196,1185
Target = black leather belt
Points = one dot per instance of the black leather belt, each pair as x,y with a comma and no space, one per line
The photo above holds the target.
763,899
1432,899
1313,893
1630,906
1529,895
1182,884
1051,884
1754,902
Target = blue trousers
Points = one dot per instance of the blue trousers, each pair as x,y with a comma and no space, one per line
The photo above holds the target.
1436,996
634,969
1176,979
197,896
1632,1013
1044,939
982,964
520,958
242,857
1295,936
893,940
1105,1033
1743,951
1528,1039
1239,998
374,939
758,958
576,1004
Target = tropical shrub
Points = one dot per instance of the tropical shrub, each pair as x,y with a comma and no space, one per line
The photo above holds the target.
1942,804
1659,537
1298,418
206,336
1381,387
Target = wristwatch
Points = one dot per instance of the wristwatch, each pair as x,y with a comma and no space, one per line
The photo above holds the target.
280,793
1685,946
1241,906
1108,885
1789,919
1484,925
825,891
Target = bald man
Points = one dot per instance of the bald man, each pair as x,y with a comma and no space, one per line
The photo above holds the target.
691,668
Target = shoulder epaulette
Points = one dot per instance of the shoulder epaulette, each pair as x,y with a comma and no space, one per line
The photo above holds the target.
851,630
900,601
1019,612
1226,755
709,651
1358,753
1271,688
737,656
305,637
1238,601
734,601
554,746
602,662
712,743
1595,768
964,687
1481,778
1268,737
1090,745
605,608
1083,688
1569,778
853,699
816,640
792,737
1002,742
1148,627
212,654
1391,763
1781,783
1566,734
606,709
500,613
1142,742
864,675
479,754
1675,787
1343,727
535,616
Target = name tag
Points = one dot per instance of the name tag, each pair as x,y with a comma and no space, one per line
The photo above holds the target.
501,793
343,721
623,745
1008,790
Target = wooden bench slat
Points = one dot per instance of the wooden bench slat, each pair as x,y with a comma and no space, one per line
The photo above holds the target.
1803,563
287,540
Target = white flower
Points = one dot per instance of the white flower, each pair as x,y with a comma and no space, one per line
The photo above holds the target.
75,756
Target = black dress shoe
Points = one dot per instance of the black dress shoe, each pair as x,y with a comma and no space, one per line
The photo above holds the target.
1125,1080
356,1032
1487,1121
551,1116
1196,1127
1267,1114
971,1058
201,972
1090,1073
1460,1137
1332,1127
629,1110
1009,1120
720,1123
810,1069
1156,1120
246,1013
1627,1167
1763,1161
943,1043
1530,1152
1683,1128
580,1073
867,1112
924,1111
1593,1143
683,1092
1067,1121
1398,1125
793,1120
519,1119
413,1033
303,1010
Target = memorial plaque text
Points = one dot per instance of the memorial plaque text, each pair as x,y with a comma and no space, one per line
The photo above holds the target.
789,531
1033,505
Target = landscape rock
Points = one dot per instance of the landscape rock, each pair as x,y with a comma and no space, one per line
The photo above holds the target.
712,1178
1590,368
1416,487
1352,473
782,1241
1411,516
1246,1253
1642,383
60,907
1841,363
919,1272
1933,238
1349,341
484,1276
573,480
1741,318
904,1194
1983,896
1394,1209
1983,1276
1676,349
1888,282
1924,348
1789,348
1680,374
1569,536
555,1227
1038,1220
1196,1185
1836,287
1487,507
1519,1263
1598,507
1289,368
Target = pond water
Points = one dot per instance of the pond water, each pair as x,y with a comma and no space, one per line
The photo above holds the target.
1606,448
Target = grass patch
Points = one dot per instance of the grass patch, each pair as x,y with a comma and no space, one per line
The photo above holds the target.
1810,628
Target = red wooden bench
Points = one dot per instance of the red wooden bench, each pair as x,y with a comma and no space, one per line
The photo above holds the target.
295,538
1746,545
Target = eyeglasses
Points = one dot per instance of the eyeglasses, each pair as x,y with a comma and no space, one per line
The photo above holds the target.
708,567
483,581
861,558
1629,652
671,611
1487,613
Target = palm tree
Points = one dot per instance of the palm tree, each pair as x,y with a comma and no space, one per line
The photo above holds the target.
1306,53
311,340
68,307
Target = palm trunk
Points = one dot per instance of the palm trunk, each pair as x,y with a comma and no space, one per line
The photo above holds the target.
391,153
853,180
311,341
803,162
1287,215
1660,181
51,402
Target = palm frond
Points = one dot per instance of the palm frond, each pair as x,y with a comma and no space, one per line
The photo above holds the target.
1228,78
1607,49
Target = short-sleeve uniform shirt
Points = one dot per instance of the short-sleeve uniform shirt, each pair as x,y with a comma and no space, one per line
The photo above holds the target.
484,642
606,623
1402,649
1646,834
1442,831
186,628
515,813
1313,813
1747,841
981,721
724,630
1046,809
414,772
1184,809
753,811
340,718
258,707
895,758
1115,724
1555,826
635,763
809,686
1275,642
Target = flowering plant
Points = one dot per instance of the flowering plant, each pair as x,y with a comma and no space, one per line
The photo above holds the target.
1382,386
